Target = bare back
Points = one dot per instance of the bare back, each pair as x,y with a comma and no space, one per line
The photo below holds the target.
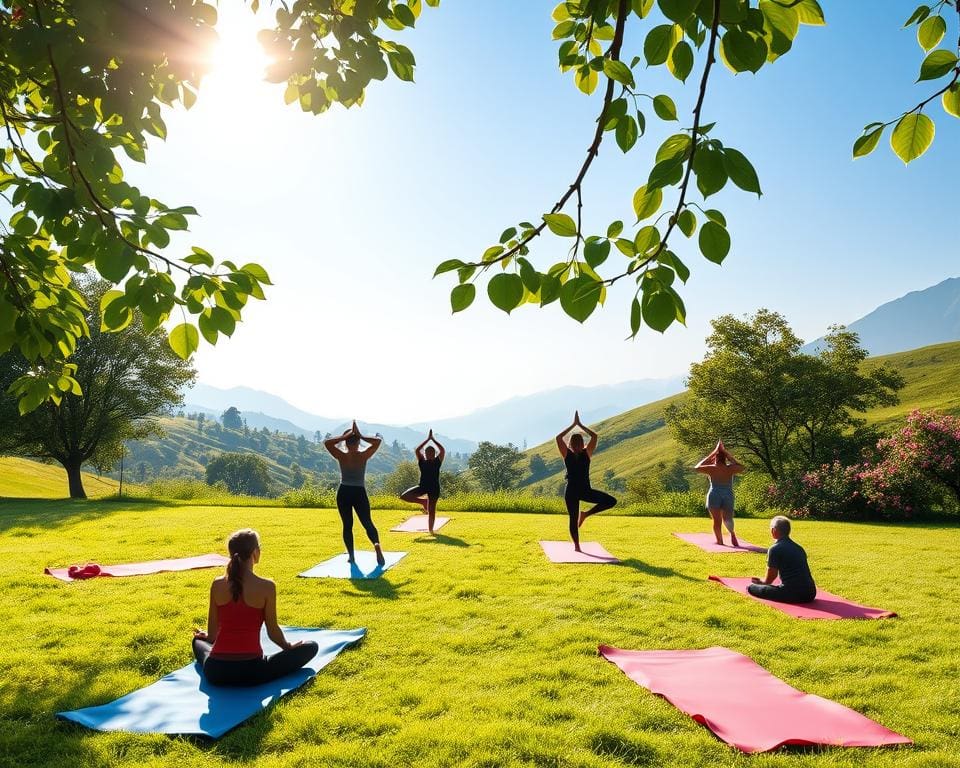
256,592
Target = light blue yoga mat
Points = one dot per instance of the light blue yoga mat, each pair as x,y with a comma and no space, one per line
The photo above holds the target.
184,702
365,567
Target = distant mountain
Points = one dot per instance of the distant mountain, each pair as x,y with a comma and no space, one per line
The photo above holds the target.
262,409
918,319
535,418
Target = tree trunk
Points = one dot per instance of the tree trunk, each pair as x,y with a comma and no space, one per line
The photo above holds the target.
74,479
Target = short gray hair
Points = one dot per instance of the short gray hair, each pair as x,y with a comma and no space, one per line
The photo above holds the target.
782,524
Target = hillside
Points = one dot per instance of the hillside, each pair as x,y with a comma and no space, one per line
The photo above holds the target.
636,442
22,479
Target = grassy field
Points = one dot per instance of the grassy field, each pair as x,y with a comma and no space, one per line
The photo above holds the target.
635,442
22,478
479,652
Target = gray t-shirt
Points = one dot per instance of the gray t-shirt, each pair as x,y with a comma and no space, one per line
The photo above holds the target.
790,559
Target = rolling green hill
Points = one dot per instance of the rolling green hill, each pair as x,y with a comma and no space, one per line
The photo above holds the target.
22,479
636,442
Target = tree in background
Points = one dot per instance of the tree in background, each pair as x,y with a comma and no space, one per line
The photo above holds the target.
496,467
762,395
200,419
126,381
232,419
405,475
613,483
297,478
538,467
83,80
455,483
242,473
674,477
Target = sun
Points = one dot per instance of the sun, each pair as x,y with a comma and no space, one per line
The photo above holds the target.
237,61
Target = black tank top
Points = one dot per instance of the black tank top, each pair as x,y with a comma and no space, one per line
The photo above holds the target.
578,469
429,472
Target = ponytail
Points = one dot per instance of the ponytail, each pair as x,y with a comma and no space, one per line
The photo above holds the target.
241,545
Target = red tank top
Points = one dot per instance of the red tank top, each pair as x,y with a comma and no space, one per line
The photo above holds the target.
238,630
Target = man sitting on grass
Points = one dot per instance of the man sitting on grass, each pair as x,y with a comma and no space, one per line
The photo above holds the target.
785,559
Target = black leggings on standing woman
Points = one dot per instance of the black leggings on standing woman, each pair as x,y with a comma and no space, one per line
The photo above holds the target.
573,497
247,672
352,498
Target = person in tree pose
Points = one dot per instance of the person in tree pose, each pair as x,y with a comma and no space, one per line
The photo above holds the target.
240,604
427,491
720,467
576,458
352,493
788,560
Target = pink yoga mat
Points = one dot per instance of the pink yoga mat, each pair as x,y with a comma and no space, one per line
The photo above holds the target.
563,552
743,704
153,566
826,606
708,543
418,524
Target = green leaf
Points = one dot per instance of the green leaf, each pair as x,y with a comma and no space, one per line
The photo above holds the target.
560,224
867,143
184,340
223,321
646,240
579,297
687,222
492,253
257,272
635,317
678,10
709,168
549,289
646,203
664,107
919,14
595,252
680,62
529,276
505,291
740,171
912,136
207,328
448,266
659,310
931,32
626,133
507,235
714,215
617,70
462,296
658,44
937,64
741,51
810,13
714,242
615,228
951,100
586,79
675,147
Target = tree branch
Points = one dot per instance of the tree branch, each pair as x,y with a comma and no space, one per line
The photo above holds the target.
697,113
613,53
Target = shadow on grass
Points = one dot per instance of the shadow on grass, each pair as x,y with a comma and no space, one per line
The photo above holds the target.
49,513
439,538
378,587
653,570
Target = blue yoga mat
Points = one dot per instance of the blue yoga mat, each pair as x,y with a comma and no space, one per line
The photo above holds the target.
365,566
184,702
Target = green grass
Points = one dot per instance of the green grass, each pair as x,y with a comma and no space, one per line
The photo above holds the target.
635,442
22,478
479,652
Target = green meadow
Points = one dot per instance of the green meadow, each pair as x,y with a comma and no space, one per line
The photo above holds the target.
479,651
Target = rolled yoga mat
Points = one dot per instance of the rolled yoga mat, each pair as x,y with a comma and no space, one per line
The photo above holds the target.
563,552
825,606
151,566
184,702
708,543
365,567
418,524
743,704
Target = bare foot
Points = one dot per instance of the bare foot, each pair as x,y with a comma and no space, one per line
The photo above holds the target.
720,542
733,541
576,548
381,560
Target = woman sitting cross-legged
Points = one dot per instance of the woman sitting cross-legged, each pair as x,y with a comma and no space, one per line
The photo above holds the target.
240,604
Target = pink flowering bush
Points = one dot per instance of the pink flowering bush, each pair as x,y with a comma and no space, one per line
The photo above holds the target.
908,474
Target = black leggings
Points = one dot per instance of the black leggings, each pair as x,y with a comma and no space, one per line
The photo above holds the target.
350,498
781,594
247,672
573,497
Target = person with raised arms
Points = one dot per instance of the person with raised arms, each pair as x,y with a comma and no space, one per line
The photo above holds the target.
720,466
427,491
576,458
787,560
241,603
352,493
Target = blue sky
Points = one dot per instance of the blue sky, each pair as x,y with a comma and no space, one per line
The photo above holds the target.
351,210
